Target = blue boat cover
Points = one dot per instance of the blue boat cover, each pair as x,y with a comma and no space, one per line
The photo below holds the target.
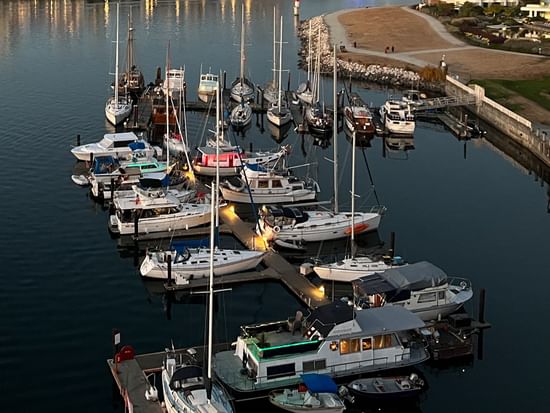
135,146
181,246
256,167
319,383
104,164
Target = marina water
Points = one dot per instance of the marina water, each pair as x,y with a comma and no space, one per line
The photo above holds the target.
467,207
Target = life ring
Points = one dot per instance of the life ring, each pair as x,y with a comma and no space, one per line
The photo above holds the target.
463,284
276,228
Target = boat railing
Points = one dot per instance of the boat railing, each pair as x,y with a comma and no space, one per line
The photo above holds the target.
378,209
248,381
459,284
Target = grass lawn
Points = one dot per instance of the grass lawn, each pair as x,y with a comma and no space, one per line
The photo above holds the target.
537,91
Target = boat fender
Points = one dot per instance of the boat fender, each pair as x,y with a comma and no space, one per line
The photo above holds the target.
276,228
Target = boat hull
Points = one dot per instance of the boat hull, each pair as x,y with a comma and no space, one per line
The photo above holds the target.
152,269
165,224
316,230
267,198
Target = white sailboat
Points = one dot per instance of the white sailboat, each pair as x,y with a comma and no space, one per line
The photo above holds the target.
186,389
118,107
270,91
279,112
318,120
294,224
304,91
242,88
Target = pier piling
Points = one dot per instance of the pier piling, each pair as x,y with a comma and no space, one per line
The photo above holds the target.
169,268
391,251
481,314
78,140
112,190
136,224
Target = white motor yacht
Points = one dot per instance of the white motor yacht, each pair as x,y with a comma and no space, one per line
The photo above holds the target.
398,117
352,268
119,145
421,287
268,186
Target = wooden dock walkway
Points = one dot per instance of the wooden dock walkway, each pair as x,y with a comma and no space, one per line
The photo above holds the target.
132,383
277,267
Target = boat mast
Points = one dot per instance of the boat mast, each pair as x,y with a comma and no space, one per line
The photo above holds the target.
242,46
130,51
211,291
335,136
167,96
116,58
274,51
353,196
280,65
309,55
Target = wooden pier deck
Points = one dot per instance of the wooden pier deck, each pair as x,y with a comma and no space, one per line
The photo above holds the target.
132,383
277,267
140,117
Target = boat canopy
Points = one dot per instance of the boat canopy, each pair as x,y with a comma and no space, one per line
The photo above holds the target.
319,383
154,180
288,212
184,373
324,318
181,246
417,276
104,164
387,319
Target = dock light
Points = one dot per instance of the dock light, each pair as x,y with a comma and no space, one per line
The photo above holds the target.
334,346
232,208
322,289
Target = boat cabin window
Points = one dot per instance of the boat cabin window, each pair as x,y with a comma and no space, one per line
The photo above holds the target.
314,365
367,344
426,297
276,184
441,295
349,345
263,184
282,370
384,341
121,144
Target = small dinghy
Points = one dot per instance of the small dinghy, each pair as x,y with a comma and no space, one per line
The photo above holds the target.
317,394
387,388
80,180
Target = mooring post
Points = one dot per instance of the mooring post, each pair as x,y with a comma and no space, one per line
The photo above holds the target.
250,146
78,140
112,189
169,268
391,252
224,78
136,224
481,315
136,114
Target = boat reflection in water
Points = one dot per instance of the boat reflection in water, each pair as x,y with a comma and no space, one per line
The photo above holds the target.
361,140
279,133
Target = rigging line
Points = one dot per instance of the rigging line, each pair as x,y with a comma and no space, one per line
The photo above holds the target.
370,176
183,137
205,122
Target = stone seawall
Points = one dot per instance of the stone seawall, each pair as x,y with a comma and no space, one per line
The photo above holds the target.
508,122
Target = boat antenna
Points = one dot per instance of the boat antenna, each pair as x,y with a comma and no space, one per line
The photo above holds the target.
353,195
116,58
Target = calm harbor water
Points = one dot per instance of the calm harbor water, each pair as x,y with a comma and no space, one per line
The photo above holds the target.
468,207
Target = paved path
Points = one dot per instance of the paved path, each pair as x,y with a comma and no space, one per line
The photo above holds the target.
339,36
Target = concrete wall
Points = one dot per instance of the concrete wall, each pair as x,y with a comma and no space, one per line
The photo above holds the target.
508,122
